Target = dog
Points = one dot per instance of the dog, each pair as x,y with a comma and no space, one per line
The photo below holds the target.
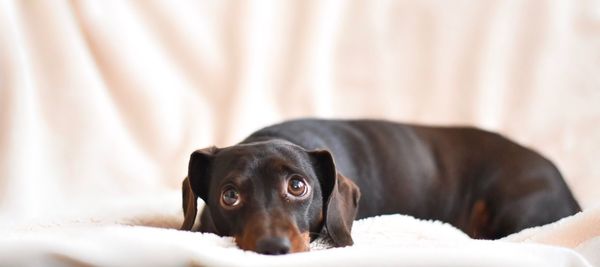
292,182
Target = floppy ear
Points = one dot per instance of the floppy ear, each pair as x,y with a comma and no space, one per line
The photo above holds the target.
190,208
198,171
340,199
195,184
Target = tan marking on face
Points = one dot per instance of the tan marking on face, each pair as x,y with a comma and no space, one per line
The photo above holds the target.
301,242
259,226
252,231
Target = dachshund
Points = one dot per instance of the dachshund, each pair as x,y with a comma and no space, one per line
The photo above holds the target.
287,184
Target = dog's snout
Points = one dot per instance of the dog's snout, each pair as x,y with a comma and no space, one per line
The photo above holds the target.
273,245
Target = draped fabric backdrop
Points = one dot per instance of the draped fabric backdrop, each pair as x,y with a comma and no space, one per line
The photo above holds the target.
103,101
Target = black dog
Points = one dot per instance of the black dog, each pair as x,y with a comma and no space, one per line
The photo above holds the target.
280,188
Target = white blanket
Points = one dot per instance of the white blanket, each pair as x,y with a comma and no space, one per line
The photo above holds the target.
141,234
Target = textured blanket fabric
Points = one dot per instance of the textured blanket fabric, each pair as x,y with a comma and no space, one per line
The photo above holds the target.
101,103
390,240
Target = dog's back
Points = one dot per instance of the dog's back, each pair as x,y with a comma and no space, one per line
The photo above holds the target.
479,181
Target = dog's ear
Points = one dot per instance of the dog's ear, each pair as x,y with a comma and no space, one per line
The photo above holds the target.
340,198
195,185
190,208
198,171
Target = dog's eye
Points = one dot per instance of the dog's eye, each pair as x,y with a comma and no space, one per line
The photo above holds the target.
297,187
230,197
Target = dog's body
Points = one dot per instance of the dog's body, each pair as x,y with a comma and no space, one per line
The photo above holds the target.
478,181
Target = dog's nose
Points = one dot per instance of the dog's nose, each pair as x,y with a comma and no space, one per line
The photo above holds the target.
273,245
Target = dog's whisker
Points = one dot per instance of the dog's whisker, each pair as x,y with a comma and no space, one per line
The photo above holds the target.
318,234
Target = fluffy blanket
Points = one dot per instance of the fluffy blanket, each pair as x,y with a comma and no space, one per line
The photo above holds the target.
142,233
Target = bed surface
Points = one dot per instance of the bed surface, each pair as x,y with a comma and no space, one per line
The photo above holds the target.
146,235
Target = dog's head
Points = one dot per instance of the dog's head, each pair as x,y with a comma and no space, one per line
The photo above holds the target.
272,196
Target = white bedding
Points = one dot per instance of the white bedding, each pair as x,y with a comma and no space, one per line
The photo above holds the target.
142,234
